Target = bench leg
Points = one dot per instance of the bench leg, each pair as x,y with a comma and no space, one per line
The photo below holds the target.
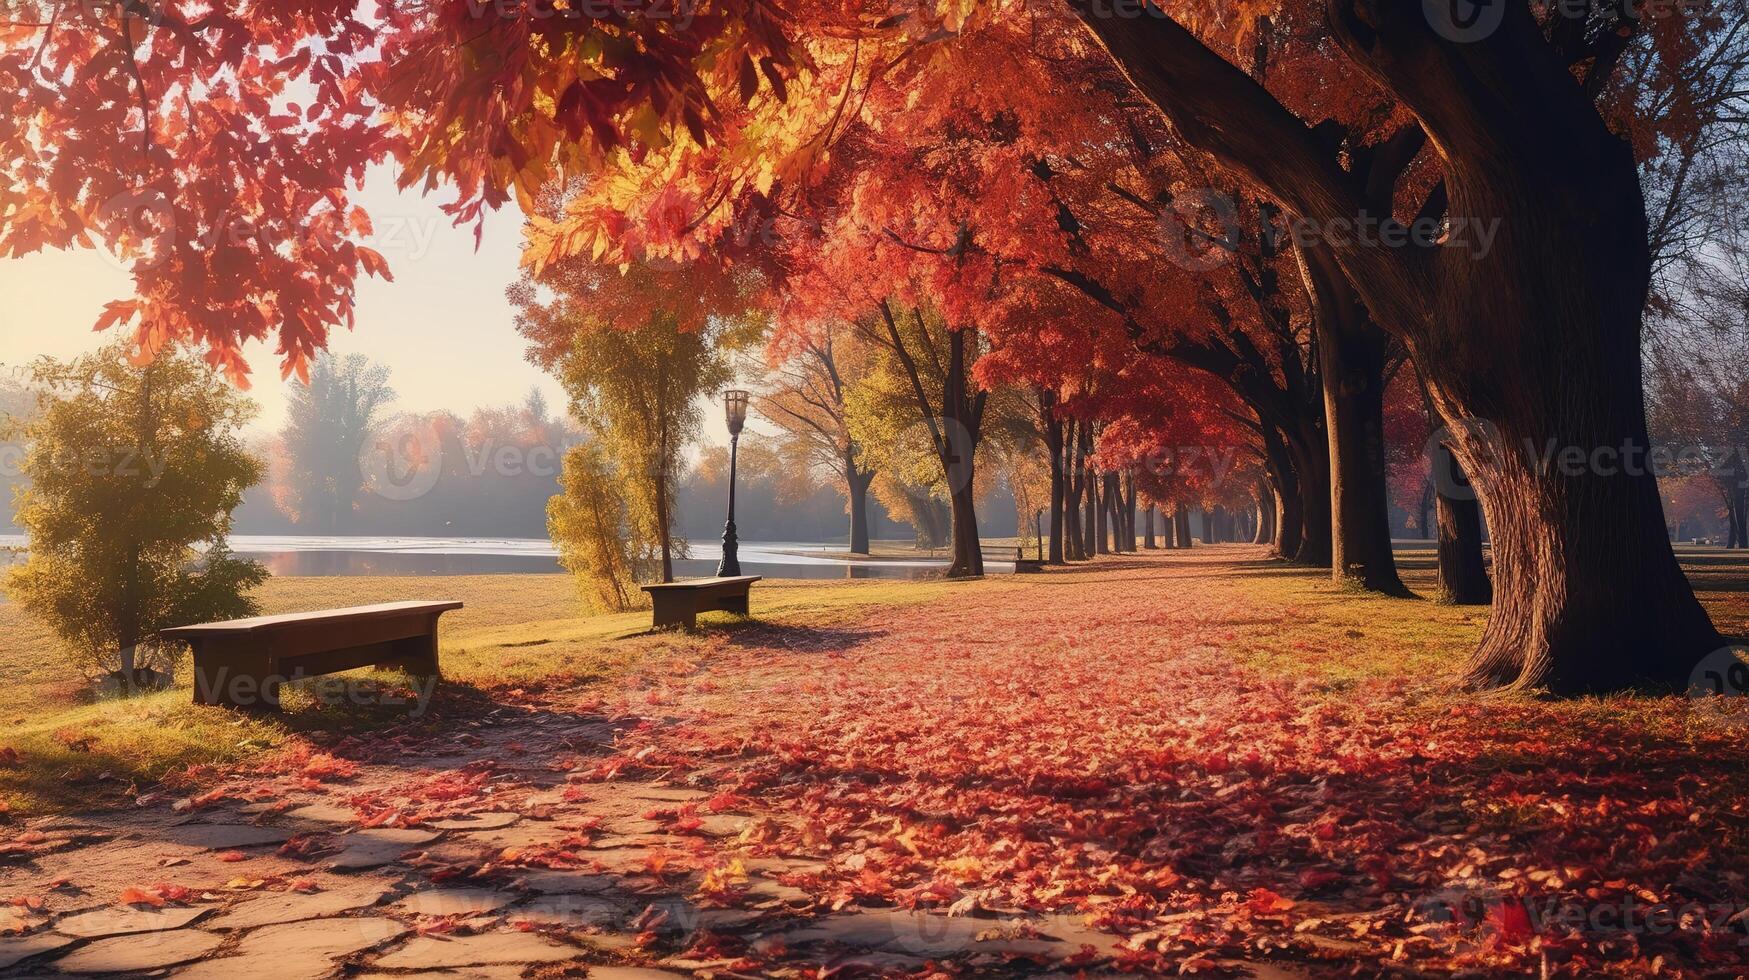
736,604
673,610
234,682
416,655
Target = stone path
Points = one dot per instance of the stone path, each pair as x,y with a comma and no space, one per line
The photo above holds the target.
521,868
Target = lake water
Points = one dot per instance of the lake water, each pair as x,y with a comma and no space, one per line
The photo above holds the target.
320,556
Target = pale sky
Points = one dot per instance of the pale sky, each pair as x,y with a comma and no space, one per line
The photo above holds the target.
443,326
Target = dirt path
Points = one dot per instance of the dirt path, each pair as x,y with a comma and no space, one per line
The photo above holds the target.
1161,764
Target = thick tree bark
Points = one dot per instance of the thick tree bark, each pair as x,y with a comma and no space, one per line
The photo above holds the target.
1463,575
1530,343
1285,481
1265,500
1311,464
1351,353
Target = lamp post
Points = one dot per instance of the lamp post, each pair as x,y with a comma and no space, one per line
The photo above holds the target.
735,406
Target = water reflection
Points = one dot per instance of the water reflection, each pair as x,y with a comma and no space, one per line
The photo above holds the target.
295,555
343,563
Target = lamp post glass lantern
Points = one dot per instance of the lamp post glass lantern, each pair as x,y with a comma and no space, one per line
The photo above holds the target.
735,407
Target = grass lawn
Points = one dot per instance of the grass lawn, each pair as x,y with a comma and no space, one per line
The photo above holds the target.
521,633
516,632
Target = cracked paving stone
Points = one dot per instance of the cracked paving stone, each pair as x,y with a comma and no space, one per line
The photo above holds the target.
224,836
298,906
376,847
476,821
133,954
633,826
569,882
789,894
438,952
572,911
919,934
501,972
610,842
722,825
623,860
527,835
296,950
665,794
455,901
323,813
123,921
14,949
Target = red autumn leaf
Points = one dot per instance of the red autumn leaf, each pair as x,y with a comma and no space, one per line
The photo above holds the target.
1262,901
140,896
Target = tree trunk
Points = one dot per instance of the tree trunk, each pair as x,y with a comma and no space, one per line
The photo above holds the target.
1351,354
858,485
1075,465
1278,463
1181,524
1130,542
1090,496
1529,342
1426,511
959,447
1463,576
1053,429
662,522
1311,465
1149,541
955,434
1101,507
1265,515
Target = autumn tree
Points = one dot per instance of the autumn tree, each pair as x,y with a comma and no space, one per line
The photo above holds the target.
587,522
154,450
331,419
17,405
804,396
932,364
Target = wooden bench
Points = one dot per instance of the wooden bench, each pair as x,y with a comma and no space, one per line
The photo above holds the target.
679,603
242,663
1022,564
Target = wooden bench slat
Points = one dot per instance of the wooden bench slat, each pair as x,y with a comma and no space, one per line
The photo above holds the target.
258,624
701,583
